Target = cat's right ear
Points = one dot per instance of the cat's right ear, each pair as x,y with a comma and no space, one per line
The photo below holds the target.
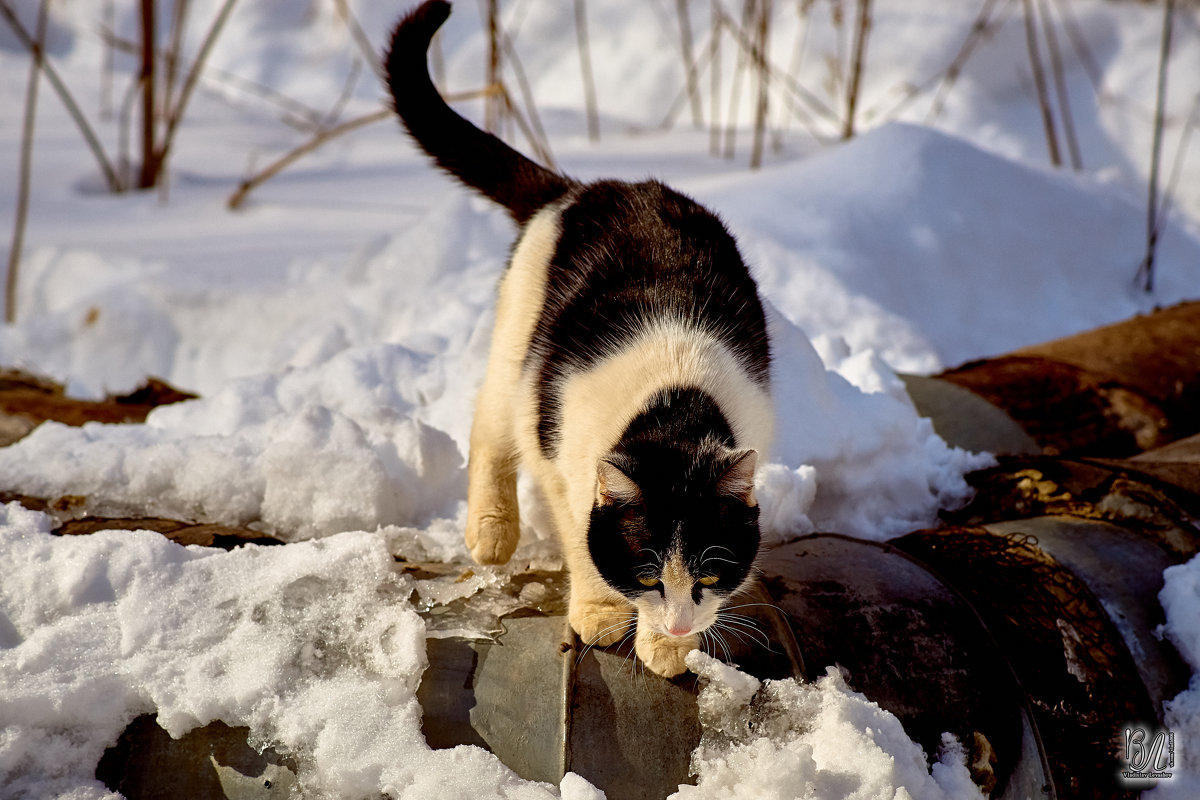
614,487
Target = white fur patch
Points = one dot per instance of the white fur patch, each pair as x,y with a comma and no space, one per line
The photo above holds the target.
598,404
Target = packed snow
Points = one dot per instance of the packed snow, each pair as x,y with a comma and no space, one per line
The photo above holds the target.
336,328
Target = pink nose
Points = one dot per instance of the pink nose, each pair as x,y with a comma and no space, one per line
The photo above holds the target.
679,630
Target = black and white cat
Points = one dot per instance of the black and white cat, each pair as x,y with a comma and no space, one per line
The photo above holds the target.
628,373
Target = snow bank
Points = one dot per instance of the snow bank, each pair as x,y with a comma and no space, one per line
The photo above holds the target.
932,251
313,646
785,739
359,414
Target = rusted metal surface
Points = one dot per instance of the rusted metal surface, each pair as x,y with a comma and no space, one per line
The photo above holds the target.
1110,392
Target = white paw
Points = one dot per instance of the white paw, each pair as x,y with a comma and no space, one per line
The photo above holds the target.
663,654
492,538
600,623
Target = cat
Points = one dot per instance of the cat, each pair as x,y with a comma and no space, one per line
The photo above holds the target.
628,372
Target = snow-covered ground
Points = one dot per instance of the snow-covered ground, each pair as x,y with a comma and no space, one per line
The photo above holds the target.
337,324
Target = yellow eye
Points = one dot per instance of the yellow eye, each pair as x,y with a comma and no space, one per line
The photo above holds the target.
647,580
709,580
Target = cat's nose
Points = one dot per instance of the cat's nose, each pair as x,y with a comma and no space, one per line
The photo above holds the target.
679,630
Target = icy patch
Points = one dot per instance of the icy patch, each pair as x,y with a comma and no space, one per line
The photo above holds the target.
786,739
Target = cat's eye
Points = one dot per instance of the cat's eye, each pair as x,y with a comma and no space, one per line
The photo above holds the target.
709,580
647,580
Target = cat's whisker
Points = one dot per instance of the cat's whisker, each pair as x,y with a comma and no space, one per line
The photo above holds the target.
717,637
752,605
715,547
746,636
630,654
738,624
741,619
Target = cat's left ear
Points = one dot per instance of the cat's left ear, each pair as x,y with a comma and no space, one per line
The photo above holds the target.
738,478
614,487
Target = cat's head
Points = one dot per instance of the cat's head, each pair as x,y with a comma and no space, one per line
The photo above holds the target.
675,530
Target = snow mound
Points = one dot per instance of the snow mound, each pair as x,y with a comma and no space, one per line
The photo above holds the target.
931,251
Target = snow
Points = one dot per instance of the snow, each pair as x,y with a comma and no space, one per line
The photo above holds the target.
336,328
782,739
1180,597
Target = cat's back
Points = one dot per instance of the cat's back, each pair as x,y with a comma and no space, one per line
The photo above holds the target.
633,255
643,290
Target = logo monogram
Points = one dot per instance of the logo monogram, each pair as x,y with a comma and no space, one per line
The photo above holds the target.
1148,755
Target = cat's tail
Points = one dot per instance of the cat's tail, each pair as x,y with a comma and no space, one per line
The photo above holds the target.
478,159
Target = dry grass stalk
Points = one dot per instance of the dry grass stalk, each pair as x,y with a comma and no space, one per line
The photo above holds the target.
1060,86
321,137
23,184
763,74
492,106
1145,271
689,62
981,29
714,58
68,100
745,54
146,81
818,108
175,113
171,56
533,130
107,61
862,28
1039,82
585,67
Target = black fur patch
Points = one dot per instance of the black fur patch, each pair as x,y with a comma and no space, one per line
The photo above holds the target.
475,157
630,254
676,452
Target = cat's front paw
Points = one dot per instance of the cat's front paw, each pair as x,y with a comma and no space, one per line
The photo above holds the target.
600,623
663,654
492,538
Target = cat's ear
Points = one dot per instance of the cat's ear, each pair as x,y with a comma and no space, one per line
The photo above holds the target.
614,487
738,478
